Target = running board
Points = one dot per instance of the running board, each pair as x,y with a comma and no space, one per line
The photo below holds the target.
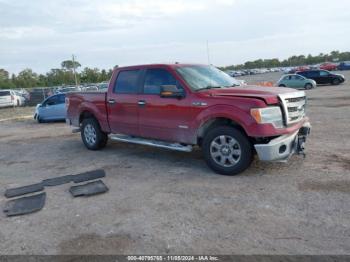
149,142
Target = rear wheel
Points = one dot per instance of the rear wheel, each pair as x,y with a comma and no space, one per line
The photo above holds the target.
227,151
92,135
282,86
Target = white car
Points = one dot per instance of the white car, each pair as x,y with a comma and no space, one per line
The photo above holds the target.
11,98
19,99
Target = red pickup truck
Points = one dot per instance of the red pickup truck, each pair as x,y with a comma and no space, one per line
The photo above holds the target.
179,106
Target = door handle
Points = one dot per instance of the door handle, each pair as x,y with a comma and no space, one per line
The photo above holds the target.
141,103
111,101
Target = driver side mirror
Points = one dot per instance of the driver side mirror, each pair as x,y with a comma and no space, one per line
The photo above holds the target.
171,91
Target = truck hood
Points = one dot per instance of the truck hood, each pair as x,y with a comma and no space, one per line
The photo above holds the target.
268,94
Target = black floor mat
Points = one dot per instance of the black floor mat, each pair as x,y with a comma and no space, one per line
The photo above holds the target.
25,205
89,189
56,181
13,192
91,175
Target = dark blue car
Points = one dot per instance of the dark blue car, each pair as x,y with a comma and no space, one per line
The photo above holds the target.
344,65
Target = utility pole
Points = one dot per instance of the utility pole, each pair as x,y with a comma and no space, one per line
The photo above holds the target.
75,75
208,53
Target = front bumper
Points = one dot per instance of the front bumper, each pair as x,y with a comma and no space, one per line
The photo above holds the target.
282,147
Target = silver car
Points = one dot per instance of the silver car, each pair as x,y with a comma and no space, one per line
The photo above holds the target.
52,109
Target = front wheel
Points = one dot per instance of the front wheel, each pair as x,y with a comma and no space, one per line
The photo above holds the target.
227,151
92,135
336,82
308,86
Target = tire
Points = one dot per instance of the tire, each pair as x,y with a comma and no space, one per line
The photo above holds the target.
17,103
92,135
308,86
335,82
282,86
38,119
218,145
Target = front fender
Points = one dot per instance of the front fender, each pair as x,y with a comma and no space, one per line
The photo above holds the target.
236,114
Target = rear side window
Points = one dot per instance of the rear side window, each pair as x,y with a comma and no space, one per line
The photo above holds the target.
324,73
127,82
5,93
155,78
314,74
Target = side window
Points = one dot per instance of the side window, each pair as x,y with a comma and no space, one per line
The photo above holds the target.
61,99
323,73
298,77
155,78
127,82
52,101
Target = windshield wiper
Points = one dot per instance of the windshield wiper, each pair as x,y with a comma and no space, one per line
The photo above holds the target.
209,87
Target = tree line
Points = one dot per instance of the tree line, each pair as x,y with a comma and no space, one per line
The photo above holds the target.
296,60
55,77
65,76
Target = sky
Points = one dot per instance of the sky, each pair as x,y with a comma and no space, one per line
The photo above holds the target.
40,34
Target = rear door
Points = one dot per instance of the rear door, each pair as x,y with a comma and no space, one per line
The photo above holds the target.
122,102
163,118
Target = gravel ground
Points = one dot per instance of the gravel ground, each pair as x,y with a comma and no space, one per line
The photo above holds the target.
170,203
16,112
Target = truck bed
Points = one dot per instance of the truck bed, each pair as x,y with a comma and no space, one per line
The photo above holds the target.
88,101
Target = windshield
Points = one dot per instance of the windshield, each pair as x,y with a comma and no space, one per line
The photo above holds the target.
201,77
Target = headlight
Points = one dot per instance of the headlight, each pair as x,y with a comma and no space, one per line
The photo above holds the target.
268,115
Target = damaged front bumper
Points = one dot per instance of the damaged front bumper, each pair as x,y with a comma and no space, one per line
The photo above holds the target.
283,147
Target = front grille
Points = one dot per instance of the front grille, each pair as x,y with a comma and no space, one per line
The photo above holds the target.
293,106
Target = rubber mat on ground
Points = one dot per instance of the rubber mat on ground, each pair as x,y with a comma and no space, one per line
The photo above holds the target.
89,189
56,181
90,175
19,191
25,205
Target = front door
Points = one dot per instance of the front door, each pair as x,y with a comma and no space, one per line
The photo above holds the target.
122,103
163,118
324,77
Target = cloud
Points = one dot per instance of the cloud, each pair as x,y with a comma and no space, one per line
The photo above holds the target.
40,34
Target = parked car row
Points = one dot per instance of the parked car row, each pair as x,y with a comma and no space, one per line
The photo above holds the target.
328,66
11,98
256,71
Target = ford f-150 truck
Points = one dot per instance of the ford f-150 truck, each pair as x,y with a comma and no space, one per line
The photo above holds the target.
179,106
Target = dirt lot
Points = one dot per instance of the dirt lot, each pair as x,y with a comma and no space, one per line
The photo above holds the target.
170,202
